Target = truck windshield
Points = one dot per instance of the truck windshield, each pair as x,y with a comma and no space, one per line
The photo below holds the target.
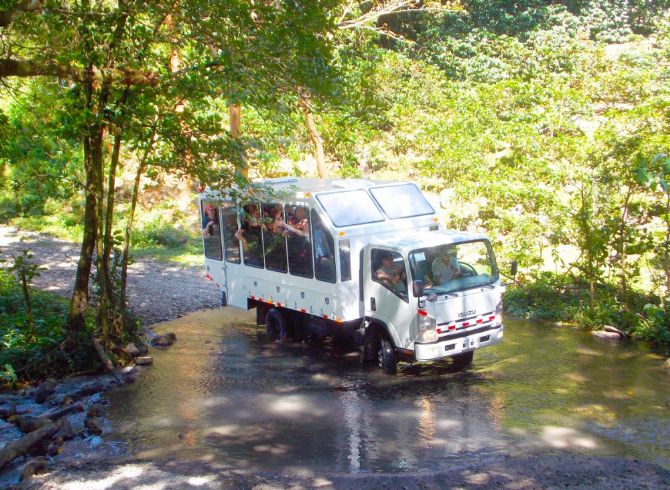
454,267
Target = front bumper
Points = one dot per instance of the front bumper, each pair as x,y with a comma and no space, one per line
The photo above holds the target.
457,343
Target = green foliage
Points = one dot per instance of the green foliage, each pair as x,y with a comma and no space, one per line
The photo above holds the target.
26,358
160,233
654,323
545,297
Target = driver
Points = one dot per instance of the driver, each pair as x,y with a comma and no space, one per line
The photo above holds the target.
446,267
391,275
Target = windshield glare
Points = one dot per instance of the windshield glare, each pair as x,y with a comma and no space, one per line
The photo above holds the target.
454,267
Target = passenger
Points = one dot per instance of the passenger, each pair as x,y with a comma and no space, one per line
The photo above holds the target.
250,229
446,267
298,224
210,221
391,275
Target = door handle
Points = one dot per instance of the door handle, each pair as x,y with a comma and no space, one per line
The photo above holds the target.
373,304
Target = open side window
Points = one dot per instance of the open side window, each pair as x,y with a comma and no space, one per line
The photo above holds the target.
273,237
231,244
211,230
250,235
299,242
323,246
388,269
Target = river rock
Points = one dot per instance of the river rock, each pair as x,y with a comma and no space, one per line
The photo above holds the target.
132,350
94,425
33,467
96,410
44,390
65,431
144,360
602,334
164,340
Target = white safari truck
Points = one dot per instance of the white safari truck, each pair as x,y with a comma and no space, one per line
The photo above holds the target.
354,258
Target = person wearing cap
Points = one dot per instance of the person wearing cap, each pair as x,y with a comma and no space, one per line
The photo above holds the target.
390,275
446,267
210,220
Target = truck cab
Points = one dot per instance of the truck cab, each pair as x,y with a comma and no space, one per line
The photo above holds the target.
443,302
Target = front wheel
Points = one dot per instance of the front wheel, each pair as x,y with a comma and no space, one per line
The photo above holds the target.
275,325
386,357
463,360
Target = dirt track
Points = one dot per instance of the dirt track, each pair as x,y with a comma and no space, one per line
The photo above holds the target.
157,291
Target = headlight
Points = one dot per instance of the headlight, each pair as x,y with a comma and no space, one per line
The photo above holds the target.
426,325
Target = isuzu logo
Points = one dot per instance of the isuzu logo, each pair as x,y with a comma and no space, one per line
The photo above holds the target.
463,314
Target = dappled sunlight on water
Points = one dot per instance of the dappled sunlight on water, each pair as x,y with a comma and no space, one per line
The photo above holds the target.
223,393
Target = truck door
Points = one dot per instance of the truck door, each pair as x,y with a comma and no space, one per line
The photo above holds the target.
386,294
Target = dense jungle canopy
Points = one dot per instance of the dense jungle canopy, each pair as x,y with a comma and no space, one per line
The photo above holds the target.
545,124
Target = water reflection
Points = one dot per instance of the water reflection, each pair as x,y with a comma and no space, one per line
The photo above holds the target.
224,394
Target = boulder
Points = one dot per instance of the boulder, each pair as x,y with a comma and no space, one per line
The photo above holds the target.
94,425
132,350
604,335
44,390
164,340
65,431
96,410
54,446
144,360
143,348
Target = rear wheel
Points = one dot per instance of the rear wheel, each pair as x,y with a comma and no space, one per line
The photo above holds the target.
386,357
275,324
463,360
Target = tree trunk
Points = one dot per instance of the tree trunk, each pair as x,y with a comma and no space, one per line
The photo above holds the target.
235,125
622,244
314,136
79,300
141,166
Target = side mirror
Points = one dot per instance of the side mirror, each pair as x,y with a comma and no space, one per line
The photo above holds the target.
515,267
417,288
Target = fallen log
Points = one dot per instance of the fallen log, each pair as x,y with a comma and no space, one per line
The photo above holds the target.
28,423
22,446
109,366
610,328
86,390
57,413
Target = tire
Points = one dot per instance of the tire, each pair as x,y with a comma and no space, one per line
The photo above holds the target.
463,360
386,357
275,325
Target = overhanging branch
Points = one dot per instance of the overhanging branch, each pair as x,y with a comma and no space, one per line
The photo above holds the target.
26,68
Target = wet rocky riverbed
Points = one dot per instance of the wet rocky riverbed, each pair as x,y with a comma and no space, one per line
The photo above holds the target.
223,406
225,394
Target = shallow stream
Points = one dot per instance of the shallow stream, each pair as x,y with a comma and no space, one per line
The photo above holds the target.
221,393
